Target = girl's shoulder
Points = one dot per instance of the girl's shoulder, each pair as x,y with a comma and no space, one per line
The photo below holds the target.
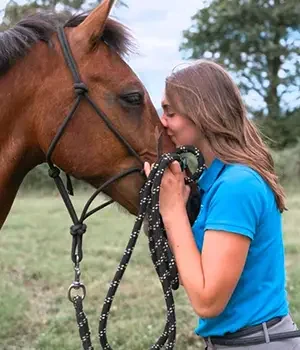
243,184
242,177
241,172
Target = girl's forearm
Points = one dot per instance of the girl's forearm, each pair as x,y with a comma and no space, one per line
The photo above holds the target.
188,260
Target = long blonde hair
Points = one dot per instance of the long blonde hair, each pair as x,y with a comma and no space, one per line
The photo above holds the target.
205,93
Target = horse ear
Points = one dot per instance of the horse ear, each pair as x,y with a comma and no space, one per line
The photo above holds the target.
94,23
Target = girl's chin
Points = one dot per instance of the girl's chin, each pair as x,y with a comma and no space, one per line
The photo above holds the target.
176,142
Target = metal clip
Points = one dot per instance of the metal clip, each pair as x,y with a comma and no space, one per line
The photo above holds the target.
76,285
183,163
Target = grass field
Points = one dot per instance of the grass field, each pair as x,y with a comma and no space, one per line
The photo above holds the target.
36,272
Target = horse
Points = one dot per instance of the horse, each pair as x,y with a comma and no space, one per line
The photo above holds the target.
37,92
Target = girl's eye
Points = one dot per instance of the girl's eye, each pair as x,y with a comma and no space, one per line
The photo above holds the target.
170,114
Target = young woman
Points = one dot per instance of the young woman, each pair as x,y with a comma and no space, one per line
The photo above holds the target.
231,261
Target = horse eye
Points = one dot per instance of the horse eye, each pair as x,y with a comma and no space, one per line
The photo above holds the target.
134,98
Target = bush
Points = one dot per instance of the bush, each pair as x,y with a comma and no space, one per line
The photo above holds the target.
38,179
287,163
282,132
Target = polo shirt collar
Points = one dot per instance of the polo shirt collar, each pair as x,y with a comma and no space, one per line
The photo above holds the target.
210,174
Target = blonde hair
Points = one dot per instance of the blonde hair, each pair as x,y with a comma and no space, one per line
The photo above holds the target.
205,93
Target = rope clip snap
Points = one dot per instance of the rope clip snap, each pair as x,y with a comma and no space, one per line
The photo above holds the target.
76,285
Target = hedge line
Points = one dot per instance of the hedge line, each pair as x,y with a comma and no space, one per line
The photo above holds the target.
287,163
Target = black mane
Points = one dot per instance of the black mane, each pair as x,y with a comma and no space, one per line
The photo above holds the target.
17,41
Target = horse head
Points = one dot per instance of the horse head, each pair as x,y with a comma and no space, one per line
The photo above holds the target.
38,89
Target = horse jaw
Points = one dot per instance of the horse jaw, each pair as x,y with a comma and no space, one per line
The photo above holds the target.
126,190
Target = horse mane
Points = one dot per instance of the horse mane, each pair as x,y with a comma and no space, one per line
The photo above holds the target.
16,42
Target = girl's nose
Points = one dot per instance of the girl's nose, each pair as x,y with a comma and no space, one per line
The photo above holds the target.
164,120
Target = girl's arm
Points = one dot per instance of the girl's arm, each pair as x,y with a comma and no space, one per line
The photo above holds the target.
210,277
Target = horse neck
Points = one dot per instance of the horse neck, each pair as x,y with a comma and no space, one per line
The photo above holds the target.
18,154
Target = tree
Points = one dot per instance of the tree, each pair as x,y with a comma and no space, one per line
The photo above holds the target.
14,12
257,40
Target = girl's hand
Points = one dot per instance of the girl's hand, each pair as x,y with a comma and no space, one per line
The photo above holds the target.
147,168
174,193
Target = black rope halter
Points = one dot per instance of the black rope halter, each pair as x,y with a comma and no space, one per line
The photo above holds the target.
161,254
82,93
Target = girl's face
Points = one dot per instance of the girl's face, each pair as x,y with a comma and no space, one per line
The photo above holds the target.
181,129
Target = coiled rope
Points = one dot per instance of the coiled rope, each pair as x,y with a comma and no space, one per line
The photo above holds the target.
160,251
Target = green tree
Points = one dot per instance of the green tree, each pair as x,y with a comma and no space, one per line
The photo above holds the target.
257,40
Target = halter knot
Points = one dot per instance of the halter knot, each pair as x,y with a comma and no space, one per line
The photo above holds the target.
54,172
78,229
80,89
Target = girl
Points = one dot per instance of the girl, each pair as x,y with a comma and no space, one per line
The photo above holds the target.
231,261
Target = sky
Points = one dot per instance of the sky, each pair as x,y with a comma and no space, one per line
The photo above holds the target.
157,26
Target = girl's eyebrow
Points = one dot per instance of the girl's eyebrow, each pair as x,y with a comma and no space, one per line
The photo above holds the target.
165,105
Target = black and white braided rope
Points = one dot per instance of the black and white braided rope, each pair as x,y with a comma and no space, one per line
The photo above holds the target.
160,252
82,323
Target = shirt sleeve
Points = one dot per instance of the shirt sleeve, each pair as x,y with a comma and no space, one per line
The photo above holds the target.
237,205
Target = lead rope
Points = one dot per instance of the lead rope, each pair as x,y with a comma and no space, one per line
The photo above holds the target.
160,252
77,231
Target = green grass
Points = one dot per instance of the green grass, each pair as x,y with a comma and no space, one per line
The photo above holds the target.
36,271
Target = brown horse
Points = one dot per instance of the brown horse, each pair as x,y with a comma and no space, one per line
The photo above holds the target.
37,92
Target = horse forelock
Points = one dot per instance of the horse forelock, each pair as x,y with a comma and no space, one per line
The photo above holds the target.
16,42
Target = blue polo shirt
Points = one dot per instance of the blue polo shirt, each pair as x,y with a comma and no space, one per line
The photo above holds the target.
237,199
